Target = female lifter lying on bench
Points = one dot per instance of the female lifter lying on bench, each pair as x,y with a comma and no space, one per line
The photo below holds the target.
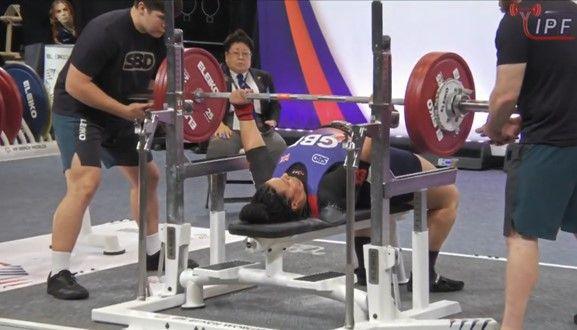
309,179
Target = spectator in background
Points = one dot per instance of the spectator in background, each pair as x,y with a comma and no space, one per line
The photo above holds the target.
62,22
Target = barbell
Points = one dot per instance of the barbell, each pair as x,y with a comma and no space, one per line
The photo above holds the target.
439,102
470,105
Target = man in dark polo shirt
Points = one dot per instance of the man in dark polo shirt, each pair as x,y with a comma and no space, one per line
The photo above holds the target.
537,72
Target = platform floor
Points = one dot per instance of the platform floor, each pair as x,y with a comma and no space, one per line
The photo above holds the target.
551,308
30,190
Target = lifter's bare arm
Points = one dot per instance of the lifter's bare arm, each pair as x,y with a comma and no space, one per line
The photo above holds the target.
249,132
366,150
81,87
500,127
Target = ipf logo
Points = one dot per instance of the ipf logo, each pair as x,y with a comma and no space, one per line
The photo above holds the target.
547,28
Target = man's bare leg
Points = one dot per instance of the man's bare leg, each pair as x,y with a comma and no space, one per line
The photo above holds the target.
131,174
153,243
522,275
442,203
81,184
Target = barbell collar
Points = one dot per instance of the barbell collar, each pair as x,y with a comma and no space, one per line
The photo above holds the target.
188,106
468,105
474,106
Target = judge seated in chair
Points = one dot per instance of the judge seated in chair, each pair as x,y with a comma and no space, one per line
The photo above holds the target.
237,69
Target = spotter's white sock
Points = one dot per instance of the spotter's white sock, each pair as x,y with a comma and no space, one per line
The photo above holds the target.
60,261
152,244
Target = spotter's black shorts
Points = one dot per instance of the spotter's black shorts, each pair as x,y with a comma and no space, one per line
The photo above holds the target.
111,142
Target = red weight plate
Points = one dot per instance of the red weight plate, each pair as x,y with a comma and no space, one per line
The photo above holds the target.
201,71
2,120
13,105
160,86
421,89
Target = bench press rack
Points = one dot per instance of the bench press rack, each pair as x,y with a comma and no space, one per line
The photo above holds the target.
380,256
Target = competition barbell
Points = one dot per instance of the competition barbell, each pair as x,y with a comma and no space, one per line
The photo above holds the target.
439,102
469,105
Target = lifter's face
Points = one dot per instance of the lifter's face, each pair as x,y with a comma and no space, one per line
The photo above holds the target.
291,188
238,57
150,21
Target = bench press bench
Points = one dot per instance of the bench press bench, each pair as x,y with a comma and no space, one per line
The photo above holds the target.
273,239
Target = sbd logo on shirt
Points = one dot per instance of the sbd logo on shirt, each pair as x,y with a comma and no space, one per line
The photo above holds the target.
138,61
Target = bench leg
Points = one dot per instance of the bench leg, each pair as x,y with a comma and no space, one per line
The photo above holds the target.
194,292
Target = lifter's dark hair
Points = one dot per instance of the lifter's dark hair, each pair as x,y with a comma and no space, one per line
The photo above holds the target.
238,36
267,206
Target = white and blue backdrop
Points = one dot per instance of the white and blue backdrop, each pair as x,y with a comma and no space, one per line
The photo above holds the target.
324,47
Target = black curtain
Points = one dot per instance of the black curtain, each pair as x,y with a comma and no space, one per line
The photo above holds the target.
87,10
243,15
36,22
213,20
201,20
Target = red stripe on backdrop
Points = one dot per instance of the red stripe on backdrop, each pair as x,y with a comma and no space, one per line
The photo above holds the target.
312,71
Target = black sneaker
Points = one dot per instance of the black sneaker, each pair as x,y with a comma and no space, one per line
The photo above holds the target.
64,286
153,260
440,284
361,276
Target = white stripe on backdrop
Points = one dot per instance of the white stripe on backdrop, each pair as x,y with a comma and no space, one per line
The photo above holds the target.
416,27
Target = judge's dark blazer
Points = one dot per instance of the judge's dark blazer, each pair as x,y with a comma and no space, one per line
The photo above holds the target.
270,110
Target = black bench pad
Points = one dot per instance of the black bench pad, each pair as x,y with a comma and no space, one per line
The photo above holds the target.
284,229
